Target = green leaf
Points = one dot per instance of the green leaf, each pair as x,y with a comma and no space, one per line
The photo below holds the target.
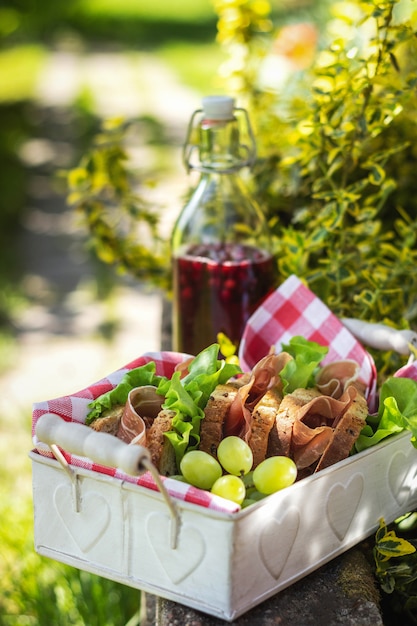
137,377
397,412
299,372
392,546
394,61
189,395
77,176
377,173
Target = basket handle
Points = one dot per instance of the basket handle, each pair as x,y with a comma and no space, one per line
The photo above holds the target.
383,337
101,448
104,449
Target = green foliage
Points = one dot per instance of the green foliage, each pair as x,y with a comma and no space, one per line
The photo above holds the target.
23,21
123,229
241,28
181,10
14,130
126,21
337,150
337,156
396,569
144,23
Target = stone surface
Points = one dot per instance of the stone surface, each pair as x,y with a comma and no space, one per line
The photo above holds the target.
341,593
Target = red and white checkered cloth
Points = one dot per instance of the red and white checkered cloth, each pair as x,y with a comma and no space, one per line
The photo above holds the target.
294,310
291,310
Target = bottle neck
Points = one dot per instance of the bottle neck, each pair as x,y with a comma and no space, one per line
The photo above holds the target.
216,146
219,147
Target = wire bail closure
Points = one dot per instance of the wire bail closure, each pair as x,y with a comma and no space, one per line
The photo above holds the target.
75,484
248,150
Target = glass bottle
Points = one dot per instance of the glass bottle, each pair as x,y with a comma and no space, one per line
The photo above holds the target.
222,266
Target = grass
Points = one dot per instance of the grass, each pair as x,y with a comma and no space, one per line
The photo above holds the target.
190,11
39,591
143,24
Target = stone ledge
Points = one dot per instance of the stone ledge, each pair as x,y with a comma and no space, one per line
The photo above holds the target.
341,593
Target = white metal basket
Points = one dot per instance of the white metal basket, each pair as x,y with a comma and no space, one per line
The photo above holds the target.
220,563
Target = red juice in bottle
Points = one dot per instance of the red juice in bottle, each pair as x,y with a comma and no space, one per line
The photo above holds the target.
218,287
222,266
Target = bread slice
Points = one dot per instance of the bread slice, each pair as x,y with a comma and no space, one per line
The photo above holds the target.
287,414
263,419
161,450
346,431
109,421
217,408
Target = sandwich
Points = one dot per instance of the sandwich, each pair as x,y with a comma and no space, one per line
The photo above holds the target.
287,405
316,424
317,430
169,425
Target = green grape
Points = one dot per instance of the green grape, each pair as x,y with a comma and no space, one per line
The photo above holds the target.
178,477
248,480
252,497
200,469
255,495
247,502
274,474
235,455
230,487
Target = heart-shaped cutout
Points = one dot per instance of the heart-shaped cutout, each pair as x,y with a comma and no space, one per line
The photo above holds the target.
399,471
342,503
276,541
87,525
180,562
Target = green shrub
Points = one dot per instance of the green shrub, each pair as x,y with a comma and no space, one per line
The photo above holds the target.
337,153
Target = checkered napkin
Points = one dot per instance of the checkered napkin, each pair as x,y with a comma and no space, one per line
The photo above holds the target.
291,310
294,310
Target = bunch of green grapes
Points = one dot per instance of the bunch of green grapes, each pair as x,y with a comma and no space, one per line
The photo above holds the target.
240,483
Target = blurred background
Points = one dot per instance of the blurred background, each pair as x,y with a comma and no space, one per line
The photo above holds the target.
63,71
66,319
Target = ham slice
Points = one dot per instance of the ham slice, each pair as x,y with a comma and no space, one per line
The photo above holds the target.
264,376
142,406
318,430
347,430
316,426
288,414
335,377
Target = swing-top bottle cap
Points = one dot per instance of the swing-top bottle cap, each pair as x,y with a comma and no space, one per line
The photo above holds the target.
218,107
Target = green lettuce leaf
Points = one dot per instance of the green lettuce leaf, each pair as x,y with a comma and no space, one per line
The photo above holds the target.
188,397
185,428
300,372
397,412
206,372
137,377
